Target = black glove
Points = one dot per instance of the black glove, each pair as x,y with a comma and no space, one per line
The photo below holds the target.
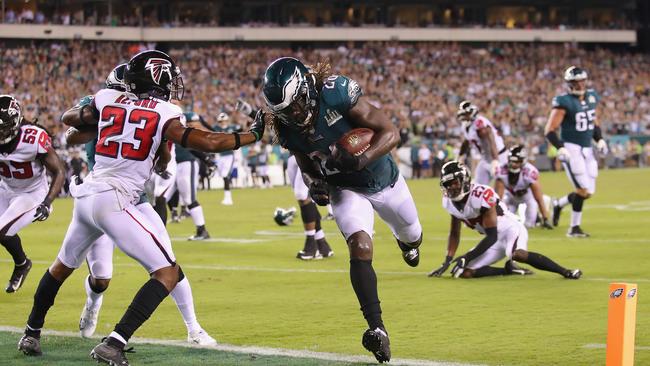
257,127
443,267
163,174
343,161
319,192
546,224
459,267
42,212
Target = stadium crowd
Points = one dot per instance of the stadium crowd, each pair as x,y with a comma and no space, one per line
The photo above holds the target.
418,85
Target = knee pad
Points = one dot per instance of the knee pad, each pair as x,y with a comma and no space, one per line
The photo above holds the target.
309,213
577,203
193,205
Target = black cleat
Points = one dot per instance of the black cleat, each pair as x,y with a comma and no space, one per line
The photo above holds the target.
324,248
576,232
377,342
557,210
18,276
310,250
30,346
107,353
410,255
572,274
201,234
513,269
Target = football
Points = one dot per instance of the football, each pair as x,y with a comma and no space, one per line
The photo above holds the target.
356,141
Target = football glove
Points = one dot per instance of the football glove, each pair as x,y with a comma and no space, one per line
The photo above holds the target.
319,192
546,224
42,212
602,148
442,269
257,127
459,267
563,154
243,107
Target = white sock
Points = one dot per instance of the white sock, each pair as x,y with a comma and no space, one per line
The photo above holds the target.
563,201
310,232
227,195
182,295
118,337
320,234
576,218
93,299
197,215
330,210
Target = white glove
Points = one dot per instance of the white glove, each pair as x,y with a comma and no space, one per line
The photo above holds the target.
495,167
602,148
563,154
243,107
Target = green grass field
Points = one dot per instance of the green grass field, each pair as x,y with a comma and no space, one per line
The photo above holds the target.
256,293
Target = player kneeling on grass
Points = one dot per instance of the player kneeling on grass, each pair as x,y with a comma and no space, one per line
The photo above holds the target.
313,114
479,207
137,122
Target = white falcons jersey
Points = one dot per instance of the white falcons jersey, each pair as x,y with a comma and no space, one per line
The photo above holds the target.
527,176
21,170
480,198
471,134
130,132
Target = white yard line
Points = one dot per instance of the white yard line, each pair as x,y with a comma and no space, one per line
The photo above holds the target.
602,346
265,351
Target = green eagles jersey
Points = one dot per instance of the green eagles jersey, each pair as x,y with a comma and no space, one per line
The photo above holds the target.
578,124
89,146
227,129
337,97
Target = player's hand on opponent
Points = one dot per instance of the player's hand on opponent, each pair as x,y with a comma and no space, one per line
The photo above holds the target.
459,266
546,224
42,212
442,269
257,127
563,154
243,107
602,148
319,192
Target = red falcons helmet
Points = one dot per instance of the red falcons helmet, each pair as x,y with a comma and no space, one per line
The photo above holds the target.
153,74
11,116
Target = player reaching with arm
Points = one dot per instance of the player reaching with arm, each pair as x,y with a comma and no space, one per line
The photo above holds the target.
100,255
481,134
479,208
131,126
312,110
575,114
518,182
26,154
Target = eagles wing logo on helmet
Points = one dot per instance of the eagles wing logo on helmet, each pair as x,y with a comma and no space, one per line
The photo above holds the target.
157,66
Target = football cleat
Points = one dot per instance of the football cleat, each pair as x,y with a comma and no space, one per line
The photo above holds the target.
329,216
576,232
107,353
310,250
201,234
557,210
200,338
324,248
514,269
30,346
88,322
227,201
410,255
175,218
377,342
18,276
572,274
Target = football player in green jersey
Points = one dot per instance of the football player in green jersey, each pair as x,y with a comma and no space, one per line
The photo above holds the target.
226,159
574,112
311,109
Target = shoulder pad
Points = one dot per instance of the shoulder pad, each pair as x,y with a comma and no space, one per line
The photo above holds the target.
341,92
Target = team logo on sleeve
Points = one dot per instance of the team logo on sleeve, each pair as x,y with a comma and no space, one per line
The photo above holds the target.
158,66
354,91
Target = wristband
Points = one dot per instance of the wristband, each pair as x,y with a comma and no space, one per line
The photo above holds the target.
598,134
554,140
186,134
237,141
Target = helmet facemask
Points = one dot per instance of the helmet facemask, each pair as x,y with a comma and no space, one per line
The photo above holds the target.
298,113
456,185
576,80
176,86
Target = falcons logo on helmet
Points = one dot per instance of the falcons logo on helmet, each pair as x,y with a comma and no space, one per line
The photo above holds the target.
157,66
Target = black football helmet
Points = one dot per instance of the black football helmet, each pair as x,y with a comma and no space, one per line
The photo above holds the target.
115,79
455,181
289,92
575,79
516,158
153,74
11,116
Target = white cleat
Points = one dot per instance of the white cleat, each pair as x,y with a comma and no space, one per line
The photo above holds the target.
88,322
227,202
201,338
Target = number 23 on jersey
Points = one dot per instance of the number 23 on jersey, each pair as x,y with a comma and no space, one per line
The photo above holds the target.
117,117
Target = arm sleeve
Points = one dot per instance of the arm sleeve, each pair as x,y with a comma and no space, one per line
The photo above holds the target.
485,244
